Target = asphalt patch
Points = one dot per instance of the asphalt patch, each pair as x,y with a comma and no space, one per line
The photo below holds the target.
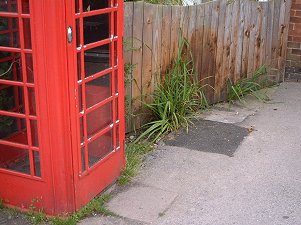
210,136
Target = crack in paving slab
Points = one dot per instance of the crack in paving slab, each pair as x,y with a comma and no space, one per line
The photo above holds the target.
210,136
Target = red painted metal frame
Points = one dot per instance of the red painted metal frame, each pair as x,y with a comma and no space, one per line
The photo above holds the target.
18,189
62,187
93,180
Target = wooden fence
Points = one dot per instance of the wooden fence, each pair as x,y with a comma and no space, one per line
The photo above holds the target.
228,38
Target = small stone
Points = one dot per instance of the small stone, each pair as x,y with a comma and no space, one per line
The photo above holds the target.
132,137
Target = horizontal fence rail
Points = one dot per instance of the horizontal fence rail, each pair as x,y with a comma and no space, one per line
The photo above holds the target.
228,39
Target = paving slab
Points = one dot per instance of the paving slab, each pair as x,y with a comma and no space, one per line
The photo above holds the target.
142,203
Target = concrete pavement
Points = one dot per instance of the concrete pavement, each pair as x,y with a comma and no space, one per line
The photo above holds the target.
260,184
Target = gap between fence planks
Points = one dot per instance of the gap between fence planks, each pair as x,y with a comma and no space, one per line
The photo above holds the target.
228,39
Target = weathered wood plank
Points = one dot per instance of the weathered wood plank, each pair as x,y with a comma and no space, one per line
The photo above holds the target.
191,31
198,37
288,5
270,24
127,54
264,29
235,15
206,54
239,42
137,62
157,47
147,51
226,51
192,13
175,31
184,21
252,41
166,33
220,50
246,37
275,37
212,50
281,38
258,36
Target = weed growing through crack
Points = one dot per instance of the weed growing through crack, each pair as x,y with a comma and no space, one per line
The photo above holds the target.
177,96
248,86
134,154
95,206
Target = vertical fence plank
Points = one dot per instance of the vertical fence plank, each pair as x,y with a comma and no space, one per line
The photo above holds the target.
166,32
239,43
220,50
157,47
235,15
184,23
264,29
275,36
175,29
137,62
226,51
147,51
127,54
281,32
254,16
191,31
199,35
192,13
206,54
258,34
246,37
288,5
270,24
212,50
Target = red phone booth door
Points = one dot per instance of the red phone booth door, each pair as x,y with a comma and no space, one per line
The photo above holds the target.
23,174
94,31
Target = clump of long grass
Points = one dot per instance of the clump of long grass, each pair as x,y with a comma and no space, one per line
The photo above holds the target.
176,97
248,86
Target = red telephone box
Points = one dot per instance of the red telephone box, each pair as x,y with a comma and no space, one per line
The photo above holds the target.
61,101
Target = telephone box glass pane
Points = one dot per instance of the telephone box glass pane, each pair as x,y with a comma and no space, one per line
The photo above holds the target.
96,28
90,5
97,59
9,32
99,119
8,6
98,90
100,147
18,116
15,159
